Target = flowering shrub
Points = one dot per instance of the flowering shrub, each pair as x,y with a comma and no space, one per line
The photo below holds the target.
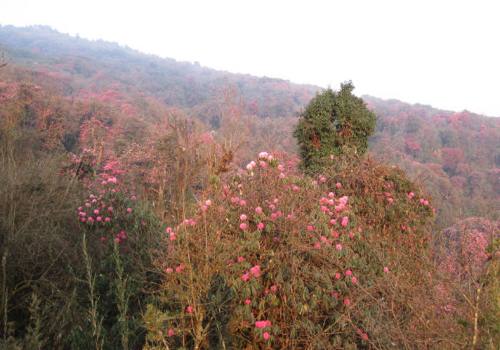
282,261
468,256
122,235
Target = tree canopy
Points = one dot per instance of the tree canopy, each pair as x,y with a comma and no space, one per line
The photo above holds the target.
333,123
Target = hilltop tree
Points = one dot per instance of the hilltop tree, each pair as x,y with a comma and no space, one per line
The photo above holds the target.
333,123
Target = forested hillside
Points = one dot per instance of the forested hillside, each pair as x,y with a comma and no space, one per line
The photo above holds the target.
149,203
456,155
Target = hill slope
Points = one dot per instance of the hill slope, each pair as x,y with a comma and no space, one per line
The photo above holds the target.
456,155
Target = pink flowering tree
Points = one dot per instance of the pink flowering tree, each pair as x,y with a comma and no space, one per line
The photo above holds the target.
270,259
468,256
120,236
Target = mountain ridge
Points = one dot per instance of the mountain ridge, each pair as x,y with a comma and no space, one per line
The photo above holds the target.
46,34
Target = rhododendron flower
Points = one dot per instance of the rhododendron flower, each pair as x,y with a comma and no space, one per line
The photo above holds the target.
98,219
317,245
262,324
245,277
87,205
281,167
129,210
240,259
345,221
262,164
173,236
295,188
260,226
333,222
248,301
208,202
322,179
189,309
274,288
96,211
179,268
258,210
110,209
243,217
386,269
117,240
169,270
255,271
348,273
337,275
107,219
411,195
354,280
338,185
310,228
266,335
191,222
243,203
338,246
263,155
243,226
170,332
347,302
204,208
250,166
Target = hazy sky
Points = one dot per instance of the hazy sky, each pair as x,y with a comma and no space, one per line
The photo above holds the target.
440,52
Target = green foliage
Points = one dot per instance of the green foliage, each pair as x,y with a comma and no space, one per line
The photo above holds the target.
333,123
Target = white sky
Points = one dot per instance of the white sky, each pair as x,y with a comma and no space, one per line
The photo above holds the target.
440,52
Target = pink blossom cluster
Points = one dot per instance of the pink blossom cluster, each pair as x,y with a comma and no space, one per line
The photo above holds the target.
254,271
